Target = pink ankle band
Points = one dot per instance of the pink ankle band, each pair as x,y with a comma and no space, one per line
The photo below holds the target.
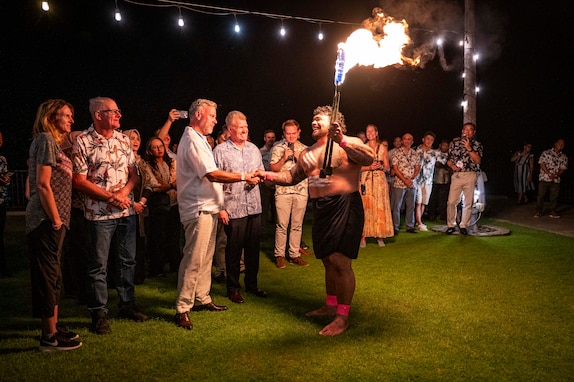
331,300
343,310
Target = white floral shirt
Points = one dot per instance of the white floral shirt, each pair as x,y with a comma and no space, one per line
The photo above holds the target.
428,162
105,162
554,162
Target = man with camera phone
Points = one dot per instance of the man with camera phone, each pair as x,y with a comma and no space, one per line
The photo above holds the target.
290,201
464,156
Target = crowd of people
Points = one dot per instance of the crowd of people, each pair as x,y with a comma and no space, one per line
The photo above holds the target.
127,215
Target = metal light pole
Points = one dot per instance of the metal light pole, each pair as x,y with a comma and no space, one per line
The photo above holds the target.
469,109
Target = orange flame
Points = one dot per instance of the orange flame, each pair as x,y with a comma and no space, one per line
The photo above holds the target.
379,44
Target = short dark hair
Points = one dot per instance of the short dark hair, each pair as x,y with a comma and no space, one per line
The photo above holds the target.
429,133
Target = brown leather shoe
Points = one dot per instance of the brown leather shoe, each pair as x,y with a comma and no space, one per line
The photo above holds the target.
235,297
182,321
210,306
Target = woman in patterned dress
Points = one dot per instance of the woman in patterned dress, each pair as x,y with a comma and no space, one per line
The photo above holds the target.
523,168
375,192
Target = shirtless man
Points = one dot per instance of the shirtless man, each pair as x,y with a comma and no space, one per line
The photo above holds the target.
338,209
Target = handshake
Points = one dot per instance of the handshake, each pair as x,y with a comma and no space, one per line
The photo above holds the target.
254,177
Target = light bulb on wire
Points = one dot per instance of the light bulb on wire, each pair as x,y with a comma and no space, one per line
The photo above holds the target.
117,14
282,31
236,28
45,6
180,21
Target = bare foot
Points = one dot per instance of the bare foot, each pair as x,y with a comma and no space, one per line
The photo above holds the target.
336,327
323,311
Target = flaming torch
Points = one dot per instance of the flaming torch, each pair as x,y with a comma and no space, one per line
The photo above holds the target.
379,44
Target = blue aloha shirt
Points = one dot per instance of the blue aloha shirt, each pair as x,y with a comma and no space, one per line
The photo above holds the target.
240,199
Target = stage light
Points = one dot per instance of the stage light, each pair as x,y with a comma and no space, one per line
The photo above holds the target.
45,6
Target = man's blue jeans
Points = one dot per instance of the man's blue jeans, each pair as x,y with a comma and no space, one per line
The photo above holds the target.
121,234
398,195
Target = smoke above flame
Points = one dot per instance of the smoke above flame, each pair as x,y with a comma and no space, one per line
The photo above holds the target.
379,43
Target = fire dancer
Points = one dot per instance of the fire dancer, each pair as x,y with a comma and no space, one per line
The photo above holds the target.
338,209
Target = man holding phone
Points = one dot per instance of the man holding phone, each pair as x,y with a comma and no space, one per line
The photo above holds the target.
464,156
290,201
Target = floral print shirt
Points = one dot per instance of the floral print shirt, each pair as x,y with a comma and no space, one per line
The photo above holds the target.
406,163
460,157
240,199
106,162
301,188
3,170
554,162
428,162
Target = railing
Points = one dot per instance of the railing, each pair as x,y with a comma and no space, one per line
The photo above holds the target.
499,183
16,199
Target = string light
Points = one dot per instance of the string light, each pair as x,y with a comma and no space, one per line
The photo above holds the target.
180,21
117,14
282,31
237,28
320,34
45,6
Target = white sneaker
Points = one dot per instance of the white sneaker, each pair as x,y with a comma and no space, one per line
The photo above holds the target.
422,227
380,242
363,243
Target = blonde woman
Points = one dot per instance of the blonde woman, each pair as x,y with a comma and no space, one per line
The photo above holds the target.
48,218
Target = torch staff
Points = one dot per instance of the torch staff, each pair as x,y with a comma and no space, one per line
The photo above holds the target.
327,170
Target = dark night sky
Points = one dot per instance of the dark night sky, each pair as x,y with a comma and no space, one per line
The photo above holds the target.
149,65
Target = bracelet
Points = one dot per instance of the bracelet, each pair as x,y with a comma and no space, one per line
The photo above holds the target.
343,143
268,178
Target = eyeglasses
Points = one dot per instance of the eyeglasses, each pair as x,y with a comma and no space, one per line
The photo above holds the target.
115,112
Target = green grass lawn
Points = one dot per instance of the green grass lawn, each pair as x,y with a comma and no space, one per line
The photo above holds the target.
427,307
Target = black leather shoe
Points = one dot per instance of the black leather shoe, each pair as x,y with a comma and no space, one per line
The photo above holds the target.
210,306
235,297
450,231
258,292
411,230
463,231
182,321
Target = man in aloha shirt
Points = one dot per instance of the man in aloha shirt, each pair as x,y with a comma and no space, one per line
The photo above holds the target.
553,162
464,157
105,171
406,165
